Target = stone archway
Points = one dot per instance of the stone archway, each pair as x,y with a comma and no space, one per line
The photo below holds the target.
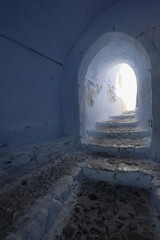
110,50
109,21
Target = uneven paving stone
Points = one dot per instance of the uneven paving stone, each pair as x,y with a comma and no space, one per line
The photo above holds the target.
98,218
102,211
16,199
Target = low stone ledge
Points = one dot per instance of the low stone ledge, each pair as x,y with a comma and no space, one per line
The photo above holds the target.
16,163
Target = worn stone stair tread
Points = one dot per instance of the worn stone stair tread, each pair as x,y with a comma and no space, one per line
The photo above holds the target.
118,130
118,123
123,116
122,164
123,151
121,136
129,112
122,142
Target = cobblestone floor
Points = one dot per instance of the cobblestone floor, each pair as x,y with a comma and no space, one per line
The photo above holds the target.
18,197
15,199
106,212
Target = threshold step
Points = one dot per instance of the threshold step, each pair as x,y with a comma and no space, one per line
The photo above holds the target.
123,116
142,152
119,147
119,132
118,123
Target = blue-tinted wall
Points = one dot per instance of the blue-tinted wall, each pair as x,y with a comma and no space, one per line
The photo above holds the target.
30,99
38,96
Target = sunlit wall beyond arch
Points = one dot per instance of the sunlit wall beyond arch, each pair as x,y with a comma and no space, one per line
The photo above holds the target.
126,88
97,79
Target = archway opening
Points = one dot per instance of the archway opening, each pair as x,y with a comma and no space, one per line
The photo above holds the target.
114,77
126,88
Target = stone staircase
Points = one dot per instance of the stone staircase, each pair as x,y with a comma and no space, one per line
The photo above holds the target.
120,136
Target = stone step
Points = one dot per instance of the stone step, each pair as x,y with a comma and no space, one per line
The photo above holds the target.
129,112
118,123
123,116
142,152
127,132
119,147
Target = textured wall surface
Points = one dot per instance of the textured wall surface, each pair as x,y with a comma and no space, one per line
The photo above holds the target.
42,47
35,38
30,104
140,21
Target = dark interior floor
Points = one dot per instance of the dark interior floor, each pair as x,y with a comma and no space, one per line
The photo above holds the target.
106,212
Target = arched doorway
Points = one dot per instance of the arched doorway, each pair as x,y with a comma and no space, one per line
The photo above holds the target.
100,68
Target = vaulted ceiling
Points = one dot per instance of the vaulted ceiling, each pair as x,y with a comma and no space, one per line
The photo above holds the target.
51,27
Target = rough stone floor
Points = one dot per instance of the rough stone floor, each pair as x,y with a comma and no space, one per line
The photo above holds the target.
112,212
107,212
16,199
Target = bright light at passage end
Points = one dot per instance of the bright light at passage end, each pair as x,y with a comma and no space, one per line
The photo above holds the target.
126,87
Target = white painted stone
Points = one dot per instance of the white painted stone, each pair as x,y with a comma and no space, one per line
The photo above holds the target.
63,188
35,222
75,173
53,207
32,231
